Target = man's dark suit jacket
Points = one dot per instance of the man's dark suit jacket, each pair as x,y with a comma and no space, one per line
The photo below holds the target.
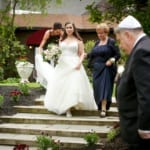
133,92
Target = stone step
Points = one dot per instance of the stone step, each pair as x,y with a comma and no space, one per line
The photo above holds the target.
53,119
55,129
30,121
40,101
65,142
39,109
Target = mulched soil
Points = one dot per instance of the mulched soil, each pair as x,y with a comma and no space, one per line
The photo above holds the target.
7,109
115,144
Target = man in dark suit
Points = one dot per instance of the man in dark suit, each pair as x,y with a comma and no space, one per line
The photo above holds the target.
133,89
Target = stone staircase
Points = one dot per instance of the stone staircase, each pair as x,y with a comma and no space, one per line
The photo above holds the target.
30,121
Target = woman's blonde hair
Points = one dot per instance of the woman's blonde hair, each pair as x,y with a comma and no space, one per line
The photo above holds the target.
103,26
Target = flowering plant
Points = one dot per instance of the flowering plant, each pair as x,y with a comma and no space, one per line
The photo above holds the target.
1,100
52,52
21,147
15,95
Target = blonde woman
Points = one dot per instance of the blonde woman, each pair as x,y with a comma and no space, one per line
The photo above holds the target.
102,59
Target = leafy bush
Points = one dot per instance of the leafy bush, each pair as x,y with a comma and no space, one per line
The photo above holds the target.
15,95
113,134
1,73
1,100
45,142
11,49
91,138
10,80
24,88
88,46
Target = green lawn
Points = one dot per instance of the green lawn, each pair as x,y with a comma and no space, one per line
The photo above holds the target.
30,85
37,85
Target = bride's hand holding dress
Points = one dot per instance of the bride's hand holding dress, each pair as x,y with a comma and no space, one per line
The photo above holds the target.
78,66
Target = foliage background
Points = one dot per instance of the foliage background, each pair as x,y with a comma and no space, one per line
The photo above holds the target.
107,10
112,11
10,47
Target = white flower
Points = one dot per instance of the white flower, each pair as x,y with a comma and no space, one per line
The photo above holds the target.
120,69
52,52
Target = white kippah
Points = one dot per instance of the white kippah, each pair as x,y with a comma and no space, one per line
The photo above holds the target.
129,23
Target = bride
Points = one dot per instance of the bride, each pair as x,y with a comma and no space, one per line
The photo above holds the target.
70,87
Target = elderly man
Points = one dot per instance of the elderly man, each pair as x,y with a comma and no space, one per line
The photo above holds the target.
133,90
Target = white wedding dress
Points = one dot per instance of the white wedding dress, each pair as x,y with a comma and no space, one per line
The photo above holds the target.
44,70
70,88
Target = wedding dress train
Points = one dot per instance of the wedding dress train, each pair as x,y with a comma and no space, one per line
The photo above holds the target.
44,70
70,88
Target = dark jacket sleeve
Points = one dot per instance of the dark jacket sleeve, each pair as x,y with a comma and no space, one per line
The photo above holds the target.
141,75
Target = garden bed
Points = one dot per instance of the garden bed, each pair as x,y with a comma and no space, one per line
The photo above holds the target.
36,92
7,107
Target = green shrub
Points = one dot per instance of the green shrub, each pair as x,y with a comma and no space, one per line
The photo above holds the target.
45,142
88,46
91,138
24,88
1,73
113,134
10,80
15,95
1,100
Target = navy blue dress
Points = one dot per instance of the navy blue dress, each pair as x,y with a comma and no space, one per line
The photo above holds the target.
103,76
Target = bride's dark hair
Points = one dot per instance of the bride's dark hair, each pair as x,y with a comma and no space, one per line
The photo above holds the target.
75,33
